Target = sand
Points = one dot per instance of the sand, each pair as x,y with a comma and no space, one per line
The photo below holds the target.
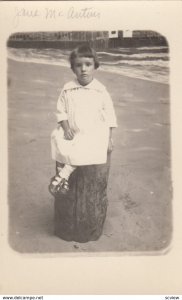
139,217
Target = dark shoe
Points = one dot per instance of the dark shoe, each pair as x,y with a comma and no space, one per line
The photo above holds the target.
58,185
64,189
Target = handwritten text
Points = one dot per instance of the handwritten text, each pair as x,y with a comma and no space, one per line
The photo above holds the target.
72,13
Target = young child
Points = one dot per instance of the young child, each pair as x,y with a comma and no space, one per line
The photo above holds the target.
85,116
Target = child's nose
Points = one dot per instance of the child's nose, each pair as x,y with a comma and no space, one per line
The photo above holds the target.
83,67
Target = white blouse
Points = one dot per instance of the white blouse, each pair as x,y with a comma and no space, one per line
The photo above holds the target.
90,113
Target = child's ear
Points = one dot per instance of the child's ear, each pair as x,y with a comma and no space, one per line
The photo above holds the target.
72,68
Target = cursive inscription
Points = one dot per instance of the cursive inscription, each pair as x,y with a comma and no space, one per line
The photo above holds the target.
52,14
84,13
25,13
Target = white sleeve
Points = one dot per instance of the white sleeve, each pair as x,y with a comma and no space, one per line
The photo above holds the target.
61,107
109,110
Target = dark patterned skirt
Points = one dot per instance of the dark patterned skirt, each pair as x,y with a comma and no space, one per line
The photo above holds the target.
80,214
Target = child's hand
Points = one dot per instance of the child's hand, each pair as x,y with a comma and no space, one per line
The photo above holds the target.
68,134
110,145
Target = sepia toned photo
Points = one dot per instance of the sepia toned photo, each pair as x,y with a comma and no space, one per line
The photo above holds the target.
89,149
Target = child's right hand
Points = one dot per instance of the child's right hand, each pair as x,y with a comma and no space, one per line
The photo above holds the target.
68,134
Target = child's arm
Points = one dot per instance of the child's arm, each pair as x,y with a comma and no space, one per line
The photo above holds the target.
110,145
68,133
62,116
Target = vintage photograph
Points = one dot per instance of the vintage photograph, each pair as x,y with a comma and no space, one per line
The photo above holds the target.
89,142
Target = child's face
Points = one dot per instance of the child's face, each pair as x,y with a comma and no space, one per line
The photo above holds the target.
84,68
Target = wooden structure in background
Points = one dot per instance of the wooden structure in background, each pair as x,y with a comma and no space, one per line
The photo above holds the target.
100,40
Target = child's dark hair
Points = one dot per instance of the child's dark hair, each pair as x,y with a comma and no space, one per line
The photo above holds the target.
83,51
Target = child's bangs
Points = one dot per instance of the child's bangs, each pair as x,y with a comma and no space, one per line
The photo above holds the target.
85,54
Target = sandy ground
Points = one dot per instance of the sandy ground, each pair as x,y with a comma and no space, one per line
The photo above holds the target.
139,217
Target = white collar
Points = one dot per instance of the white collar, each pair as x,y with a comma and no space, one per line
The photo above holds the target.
93,85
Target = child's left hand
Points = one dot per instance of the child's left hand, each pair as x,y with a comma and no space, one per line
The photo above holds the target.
111,145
